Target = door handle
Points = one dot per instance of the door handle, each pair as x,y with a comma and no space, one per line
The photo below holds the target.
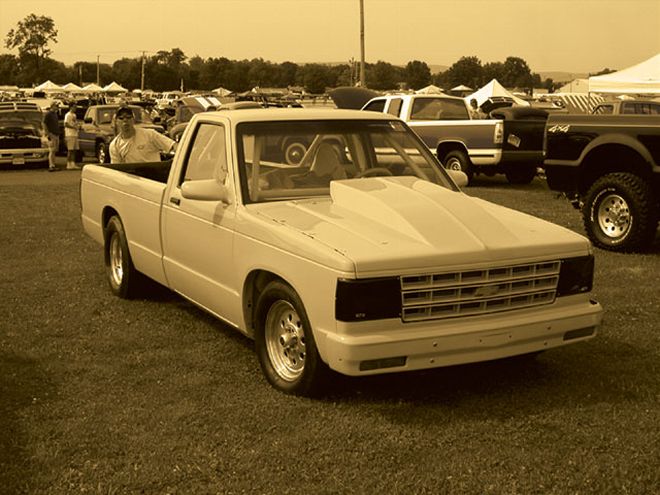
176,201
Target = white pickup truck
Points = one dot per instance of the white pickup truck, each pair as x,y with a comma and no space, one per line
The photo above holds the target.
363,258
510,141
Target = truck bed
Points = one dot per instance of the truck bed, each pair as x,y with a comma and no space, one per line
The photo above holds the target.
158,171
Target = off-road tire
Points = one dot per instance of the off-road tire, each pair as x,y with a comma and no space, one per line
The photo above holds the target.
620,212
285,344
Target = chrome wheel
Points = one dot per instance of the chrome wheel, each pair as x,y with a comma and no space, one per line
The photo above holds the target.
454,164
614,217
101,153
285,340
116,259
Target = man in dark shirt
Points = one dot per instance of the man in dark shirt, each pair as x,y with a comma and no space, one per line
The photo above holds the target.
51,123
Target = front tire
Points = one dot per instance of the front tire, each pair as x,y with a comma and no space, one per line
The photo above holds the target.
284,342
458,160
123,278
620,212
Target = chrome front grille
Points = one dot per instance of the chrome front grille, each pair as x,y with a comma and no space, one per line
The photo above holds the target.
476,292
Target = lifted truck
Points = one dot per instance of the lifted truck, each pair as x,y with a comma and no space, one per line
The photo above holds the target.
509,142
363,258
609,167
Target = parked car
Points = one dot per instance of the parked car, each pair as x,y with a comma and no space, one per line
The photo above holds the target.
22,136
184,109
628,107
98,129
509,142
363,258
609,167
168,99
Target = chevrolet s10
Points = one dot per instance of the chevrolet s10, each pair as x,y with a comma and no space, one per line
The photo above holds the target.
365,257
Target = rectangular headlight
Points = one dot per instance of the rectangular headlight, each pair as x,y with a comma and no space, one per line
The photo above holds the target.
576,276
368,299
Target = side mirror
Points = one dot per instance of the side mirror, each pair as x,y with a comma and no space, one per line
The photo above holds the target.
459,177
88,120
205,190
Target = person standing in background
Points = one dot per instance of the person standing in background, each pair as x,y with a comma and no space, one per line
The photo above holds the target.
71,128
51,123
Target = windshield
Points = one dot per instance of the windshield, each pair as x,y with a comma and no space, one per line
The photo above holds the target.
27,117
284,160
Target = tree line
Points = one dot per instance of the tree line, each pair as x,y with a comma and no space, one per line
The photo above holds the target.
168,70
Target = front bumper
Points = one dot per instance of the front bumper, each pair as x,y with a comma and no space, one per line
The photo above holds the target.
23,156
387,346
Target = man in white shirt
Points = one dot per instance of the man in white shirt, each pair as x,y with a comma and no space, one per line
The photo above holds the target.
136,144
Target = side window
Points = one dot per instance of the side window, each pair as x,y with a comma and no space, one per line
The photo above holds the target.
395,107
208,157
628,108
376,106
604,109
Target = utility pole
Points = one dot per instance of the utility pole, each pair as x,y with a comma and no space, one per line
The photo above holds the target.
142,78
362,78
98,71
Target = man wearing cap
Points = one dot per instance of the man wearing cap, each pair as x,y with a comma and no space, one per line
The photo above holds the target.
136,144
51,123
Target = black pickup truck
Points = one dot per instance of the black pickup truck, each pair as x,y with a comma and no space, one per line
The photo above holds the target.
609,166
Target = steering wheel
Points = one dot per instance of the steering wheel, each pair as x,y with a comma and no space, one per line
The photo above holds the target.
374,172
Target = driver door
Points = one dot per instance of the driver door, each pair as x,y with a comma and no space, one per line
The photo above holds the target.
198,235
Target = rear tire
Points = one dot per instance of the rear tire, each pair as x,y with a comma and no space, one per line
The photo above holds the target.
458,160
620,212
285,344
125,281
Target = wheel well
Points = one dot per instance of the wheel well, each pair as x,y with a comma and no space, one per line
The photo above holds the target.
255,283
608,159
445,148
108,213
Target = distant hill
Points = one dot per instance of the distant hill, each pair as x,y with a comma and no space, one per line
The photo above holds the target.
558,76
437,68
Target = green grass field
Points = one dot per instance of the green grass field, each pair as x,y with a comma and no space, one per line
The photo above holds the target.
106,396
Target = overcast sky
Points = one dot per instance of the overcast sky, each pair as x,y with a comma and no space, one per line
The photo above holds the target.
551,35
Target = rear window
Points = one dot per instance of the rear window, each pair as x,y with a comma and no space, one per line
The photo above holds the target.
438,109
376,106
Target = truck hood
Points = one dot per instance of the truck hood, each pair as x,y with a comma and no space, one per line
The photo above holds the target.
390,225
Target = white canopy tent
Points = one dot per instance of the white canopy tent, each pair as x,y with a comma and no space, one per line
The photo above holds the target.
48,87
92,88
71,87
429,90
493,88
113,87
640,79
